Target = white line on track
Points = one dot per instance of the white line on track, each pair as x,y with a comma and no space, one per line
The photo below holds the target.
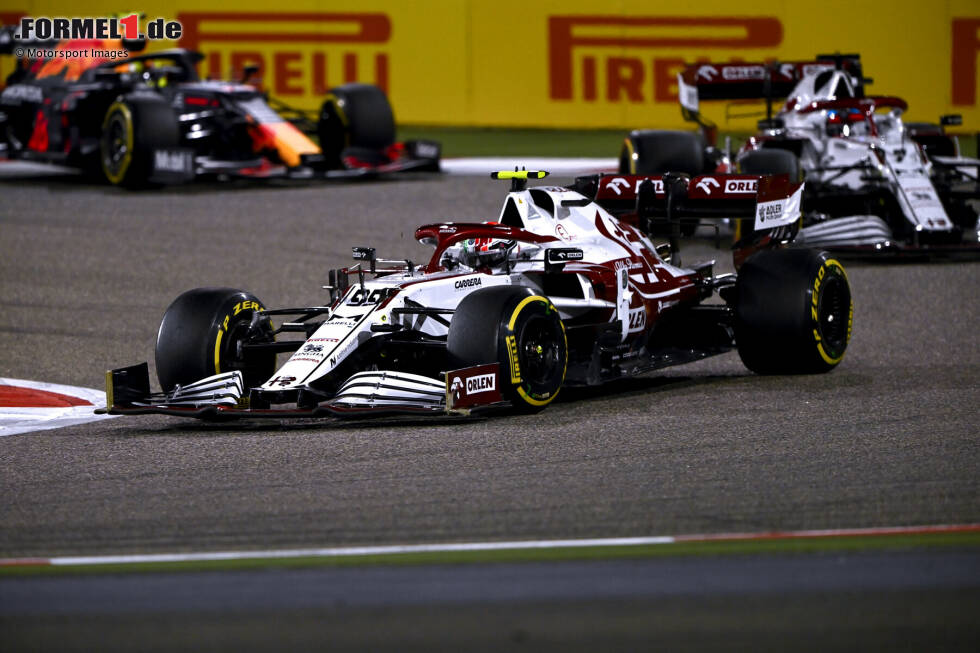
339,552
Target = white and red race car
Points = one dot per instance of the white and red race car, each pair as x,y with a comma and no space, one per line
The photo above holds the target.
874,182
557,291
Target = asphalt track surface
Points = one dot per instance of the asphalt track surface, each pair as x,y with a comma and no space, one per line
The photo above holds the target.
889,438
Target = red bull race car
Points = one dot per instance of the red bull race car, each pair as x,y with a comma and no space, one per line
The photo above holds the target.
136,119
564,288
874,182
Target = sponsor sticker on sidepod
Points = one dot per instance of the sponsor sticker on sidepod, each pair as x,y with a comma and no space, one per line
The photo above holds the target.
777,213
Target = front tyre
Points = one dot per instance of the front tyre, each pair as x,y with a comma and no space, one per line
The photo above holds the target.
133,128
520,330
202,334
356,117
793,313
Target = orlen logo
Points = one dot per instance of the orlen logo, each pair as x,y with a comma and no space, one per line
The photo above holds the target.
583,49
473,386
297,54
741,186
481,383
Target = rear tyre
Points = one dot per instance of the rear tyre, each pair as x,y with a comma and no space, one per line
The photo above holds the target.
521,331
201,333
655,151
770,162
133,127
793,312
355,116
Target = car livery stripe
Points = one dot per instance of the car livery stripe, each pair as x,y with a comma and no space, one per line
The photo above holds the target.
352,333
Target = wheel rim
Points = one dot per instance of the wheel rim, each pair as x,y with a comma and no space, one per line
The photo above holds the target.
833,313
115,146
540,351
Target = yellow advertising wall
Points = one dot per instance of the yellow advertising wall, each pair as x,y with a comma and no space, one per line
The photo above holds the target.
562,63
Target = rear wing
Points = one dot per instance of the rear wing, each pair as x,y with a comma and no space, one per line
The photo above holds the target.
755,81
768,200
659,203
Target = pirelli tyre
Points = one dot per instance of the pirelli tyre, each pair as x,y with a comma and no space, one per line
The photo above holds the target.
201,335
656,151
520,330
793,312
355,116
770,161
133,127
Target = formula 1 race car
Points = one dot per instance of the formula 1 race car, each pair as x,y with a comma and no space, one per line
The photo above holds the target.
874,183
138,119
557,292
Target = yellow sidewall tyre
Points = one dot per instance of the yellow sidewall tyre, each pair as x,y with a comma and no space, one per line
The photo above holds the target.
522,332
794,312
200,334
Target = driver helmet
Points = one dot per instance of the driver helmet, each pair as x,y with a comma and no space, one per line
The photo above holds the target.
483,252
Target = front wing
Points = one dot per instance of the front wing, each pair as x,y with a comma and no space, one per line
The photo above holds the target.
368,393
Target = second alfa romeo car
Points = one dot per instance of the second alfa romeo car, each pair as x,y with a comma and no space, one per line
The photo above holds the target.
874,182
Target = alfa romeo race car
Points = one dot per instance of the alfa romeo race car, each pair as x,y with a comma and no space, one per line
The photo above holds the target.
136,119
558,291
874,182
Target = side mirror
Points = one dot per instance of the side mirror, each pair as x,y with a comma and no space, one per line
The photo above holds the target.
365,254
556,258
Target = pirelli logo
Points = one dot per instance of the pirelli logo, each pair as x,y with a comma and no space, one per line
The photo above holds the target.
297,54
635,58
515,366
